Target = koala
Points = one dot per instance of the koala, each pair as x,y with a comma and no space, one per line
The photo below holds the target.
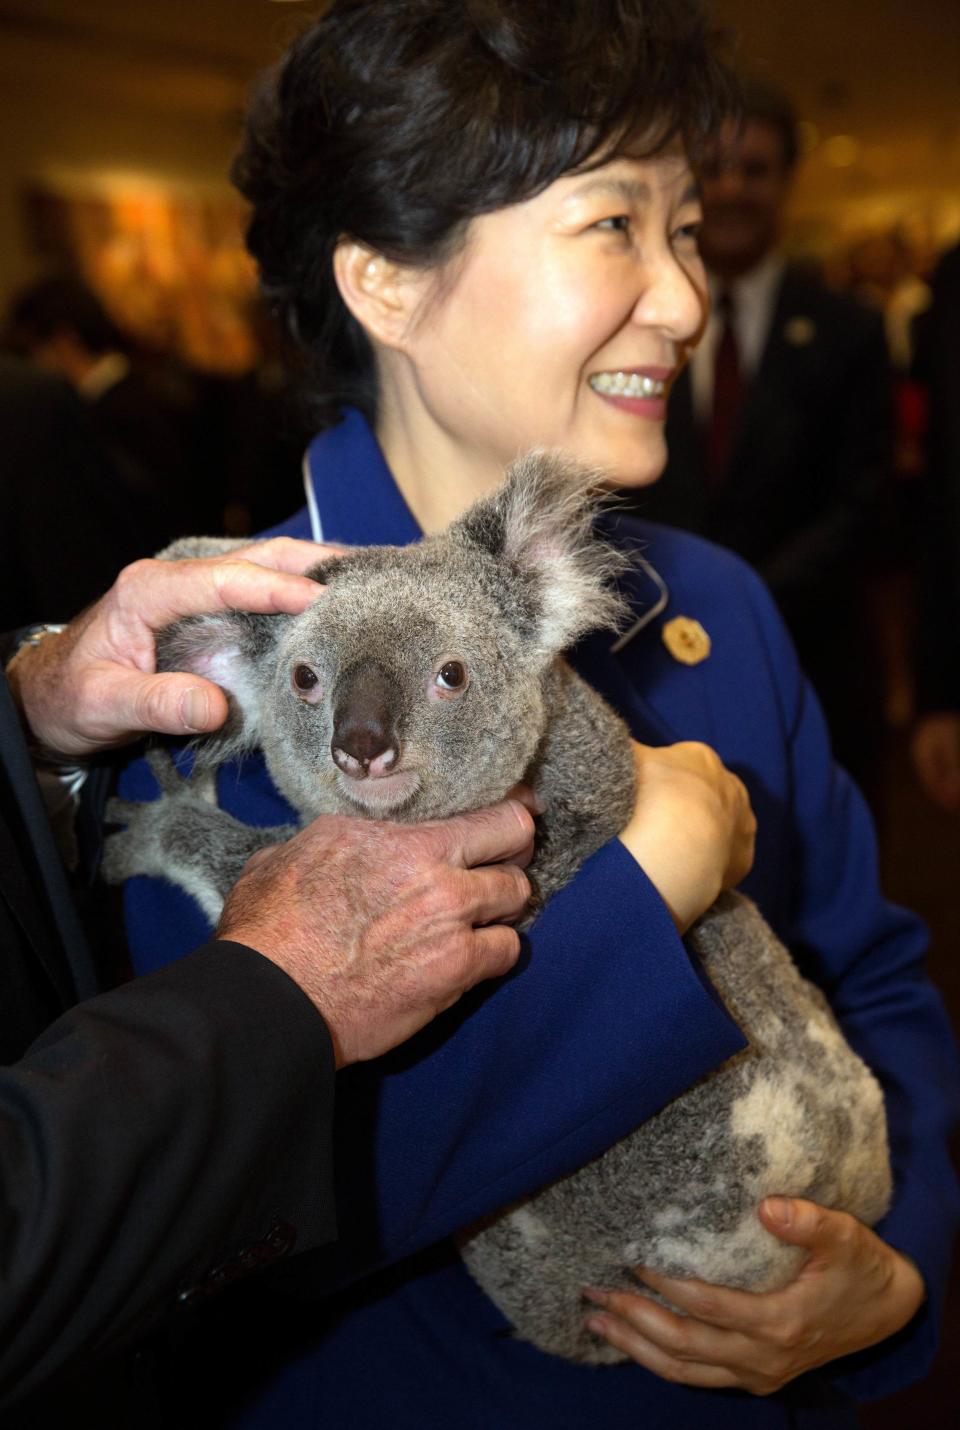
428,680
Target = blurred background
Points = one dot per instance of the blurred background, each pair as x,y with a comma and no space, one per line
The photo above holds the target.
119,120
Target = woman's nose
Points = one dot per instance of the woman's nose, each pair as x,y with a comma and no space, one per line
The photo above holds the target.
674,299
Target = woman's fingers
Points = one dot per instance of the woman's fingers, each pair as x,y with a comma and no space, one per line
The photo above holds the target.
627,1335
692,830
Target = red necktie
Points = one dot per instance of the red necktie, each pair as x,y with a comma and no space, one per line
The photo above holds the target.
728,387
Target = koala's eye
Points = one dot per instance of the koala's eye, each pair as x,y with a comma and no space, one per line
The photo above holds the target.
304,678
305,682
452,676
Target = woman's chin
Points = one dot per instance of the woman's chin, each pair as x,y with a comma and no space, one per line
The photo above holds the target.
634,476
634,481
627,464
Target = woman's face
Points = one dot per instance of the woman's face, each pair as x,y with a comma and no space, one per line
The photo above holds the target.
564,323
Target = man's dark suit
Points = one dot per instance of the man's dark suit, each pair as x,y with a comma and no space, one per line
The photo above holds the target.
810,458
156,1142
68,521
938,366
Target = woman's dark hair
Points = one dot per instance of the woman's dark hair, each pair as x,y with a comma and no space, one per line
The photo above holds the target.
395,122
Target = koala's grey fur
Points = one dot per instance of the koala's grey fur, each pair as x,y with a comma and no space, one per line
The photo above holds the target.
504,591
795,1113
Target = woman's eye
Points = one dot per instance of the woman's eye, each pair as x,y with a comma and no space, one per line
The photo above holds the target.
688,233
452,676
616,223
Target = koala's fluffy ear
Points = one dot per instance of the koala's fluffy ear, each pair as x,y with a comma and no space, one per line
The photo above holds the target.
540,523
233,649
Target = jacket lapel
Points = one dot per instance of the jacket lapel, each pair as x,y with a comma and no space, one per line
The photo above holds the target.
774,385
353,497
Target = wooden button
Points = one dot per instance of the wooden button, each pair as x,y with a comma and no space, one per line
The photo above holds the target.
686,640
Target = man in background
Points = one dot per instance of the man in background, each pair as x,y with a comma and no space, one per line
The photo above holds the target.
936,742
66,516
139,410
780,429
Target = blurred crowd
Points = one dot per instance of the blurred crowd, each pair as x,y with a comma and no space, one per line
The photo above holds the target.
815,431
114,448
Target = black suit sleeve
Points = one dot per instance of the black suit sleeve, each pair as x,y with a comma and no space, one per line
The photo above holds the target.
157,1142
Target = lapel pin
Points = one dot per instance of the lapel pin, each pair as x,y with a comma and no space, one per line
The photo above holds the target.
800,332
686,640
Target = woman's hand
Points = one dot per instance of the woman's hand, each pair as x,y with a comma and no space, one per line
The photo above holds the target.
693,830
852,1292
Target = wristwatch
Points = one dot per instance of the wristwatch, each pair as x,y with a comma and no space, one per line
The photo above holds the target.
13,647
24,638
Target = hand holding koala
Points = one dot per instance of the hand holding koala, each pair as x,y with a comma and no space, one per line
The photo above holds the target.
698,838
301,905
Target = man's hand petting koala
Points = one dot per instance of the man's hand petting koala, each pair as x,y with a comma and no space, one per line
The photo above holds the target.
382,925
96,685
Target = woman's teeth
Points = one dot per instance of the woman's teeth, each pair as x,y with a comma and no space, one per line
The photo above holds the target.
628,384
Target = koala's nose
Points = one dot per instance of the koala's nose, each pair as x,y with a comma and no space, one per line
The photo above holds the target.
364,737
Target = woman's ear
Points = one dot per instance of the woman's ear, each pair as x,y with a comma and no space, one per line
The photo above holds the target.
382,295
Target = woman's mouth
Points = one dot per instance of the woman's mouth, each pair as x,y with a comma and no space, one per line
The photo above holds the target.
629,384
641,393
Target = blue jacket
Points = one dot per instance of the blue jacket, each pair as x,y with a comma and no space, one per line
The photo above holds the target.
605,1021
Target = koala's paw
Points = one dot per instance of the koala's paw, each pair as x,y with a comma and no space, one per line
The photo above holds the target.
202,784
183,836
140,847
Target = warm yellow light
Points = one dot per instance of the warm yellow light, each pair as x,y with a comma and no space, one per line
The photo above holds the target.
841,150
808,135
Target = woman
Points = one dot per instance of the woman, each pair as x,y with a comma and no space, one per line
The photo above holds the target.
479,218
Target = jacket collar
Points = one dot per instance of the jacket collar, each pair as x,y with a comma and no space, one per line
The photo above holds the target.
352,498
351,494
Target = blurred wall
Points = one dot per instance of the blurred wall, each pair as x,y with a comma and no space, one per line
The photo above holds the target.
93,89
877,84
95,95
